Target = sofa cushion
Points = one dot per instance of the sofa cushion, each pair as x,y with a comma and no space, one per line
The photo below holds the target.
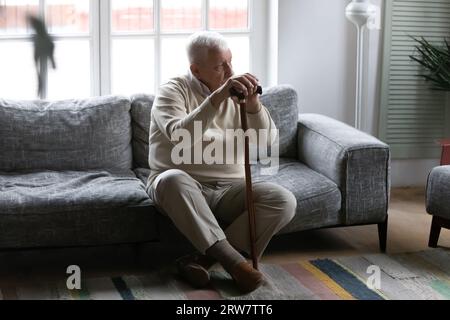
142,174
438,192
51,191
281,101
94,133
51,208
318,198
141,108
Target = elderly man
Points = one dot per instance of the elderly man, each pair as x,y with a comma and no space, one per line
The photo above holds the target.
205,201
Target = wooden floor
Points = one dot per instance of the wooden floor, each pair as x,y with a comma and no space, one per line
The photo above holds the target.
408,231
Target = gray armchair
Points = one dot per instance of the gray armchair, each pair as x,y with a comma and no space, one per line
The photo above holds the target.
438,202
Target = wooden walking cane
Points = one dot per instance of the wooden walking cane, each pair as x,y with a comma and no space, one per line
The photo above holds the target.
248,177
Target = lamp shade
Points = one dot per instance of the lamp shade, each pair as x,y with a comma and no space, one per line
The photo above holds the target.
360,11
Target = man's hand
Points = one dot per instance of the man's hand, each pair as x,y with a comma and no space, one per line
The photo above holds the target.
247,84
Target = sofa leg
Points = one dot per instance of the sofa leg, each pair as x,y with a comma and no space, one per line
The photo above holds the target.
434,233
382,234
436,225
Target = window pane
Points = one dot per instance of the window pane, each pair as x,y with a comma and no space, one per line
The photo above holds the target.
132,15
13,16
181,15
228,14
240,48
174,60
18,78
133,66
67,16
72,78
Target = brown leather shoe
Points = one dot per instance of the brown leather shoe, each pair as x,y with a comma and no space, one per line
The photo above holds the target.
247,279
193,269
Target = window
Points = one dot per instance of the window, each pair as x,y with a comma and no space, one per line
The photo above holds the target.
68,21
16,57
148,38
116,46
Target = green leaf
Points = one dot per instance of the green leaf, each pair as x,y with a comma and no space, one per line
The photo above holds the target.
435,61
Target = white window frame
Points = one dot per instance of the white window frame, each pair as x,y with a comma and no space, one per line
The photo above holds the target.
255,32
100,37
92,36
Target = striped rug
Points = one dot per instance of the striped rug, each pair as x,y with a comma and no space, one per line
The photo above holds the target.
418,276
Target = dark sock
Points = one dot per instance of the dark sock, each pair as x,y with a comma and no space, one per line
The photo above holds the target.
227,256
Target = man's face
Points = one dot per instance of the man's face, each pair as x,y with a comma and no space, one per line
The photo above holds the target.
215,70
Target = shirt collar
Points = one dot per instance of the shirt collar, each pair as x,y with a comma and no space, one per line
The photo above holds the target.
198,85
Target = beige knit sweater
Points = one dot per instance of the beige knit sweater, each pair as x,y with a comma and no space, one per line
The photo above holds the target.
184,103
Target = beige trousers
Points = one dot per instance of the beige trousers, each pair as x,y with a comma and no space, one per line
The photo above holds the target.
207,213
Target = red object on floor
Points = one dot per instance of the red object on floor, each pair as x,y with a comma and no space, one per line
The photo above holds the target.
445,157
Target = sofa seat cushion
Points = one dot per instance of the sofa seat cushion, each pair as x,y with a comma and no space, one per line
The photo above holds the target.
51,191
142,174
318,198
438,192
50,209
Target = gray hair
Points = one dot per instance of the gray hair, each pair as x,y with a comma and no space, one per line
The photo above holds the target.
200,43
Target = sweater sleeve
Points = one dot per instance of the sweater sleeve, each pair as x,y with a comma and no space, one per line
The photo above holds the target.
170,112
263,123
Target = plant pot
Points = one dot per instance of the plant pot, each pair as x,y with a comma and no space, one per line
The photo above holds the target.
445,143
447,111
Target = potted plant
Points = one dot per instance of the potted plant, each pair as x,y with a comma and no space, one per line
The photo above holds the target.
435,59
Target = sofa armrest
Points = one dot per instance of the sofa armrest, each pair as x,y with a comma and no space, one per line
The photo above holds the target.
357,162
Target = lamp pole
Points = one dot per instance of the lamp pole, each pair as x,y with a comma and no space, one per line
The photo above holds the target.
359,12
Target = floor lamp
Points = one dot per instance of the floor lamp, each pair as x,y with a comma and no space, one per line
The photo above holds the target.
360,12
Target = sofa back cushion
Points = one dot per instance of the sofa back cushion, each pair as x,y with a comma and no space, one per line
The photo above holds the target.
141,108
281,101
93,133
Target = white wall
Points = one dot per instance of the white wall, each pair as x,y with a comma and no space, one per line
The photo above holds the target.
317,55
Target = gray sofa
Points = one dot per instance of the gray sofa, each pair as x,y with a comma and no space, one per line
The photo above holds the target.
73,173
